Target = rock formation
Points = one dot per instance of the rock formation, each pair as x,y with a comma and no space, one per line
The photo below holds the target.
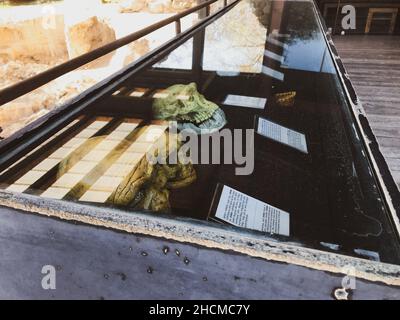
136,49
88,35
132,6
156,6
29,40
32,41
243,44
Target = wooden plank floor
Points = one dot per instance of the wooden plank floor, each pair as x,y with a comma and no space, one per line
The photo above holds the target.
373,63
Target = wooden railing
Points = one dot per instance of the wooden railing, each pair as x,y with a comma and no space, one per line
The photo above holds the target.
25,86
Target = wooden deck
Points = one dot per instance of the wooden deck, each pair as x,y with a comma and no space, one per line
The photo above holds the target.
373,63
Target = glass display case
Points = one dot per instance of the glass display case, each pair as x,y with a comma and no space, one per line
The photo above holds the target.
273,146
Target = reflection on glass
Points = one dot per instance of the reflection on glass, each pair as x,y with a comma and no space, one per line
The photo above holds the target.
39,35
180,58
234,46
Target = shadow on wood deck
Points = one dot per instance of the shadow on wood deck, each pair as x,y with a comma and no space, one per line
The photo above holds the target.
373,63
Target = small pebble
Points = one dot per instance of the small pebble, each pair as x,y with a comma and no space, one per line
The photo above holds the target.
106,276
340,294
178,253
165,249
186,260
149,270
122,275
144,254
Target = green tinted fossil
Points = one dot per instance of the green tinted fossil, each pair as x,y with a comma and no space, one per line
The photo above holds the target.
147,186
184,103
155,195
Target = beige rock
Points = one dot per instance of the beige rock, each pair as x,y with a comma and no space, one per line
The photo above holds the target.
178,5
18,113
243,44
159,6
89,35
137,49
31,40
132,6
18,70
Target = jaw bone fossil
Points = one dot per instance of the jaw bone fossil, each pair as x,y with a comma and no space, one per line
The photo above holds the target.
285,99
147,185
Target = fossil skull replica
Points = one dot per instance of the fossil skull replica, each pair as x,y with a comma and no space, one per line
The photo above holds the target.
183,103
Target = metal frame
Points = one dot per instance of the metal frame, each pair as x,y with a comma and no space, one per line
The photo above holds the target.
388,188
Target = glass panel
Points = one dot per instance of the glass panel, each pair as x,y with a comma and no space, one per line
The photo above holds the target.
38,35
181,58
380,26
383,15
267,141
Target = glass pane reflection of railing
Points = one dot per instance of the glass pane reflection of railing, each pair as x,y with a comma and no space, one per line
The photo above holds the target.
44,34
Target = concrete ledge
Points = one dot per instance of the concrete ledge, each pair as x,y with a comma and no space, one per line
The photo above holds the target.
204,234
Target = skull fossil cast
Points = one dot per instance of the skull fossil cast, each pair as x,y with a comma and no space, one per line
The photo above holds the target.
183,103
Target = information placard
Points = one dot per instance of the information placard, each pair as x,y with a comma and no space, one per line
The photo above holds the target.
282,134
245,101
241,210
